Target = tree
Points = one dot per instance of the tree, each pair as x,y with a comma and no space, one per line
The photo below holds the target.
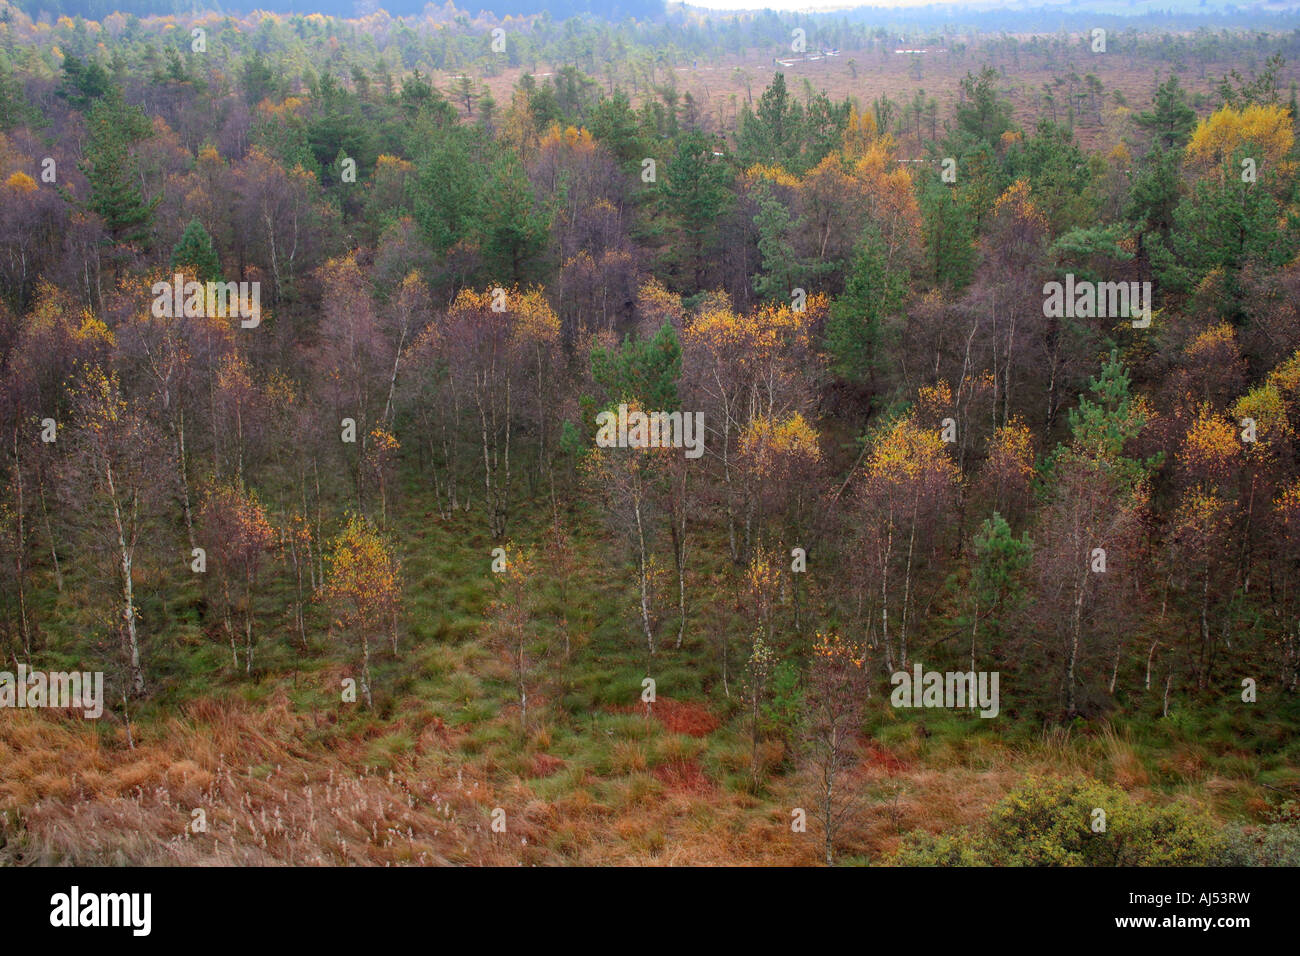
1009,291
856,329
512,624
1221,229
624,479
34,224
643,370
447,192
513,230
738,367
1263,134
833,703
781,266
695,195
981,113
758,673
115,193
906,488
281,217
352,359
997,591
772,133
236,536
1088,537
84,83
949,235
194,253
1170,119
1262,90
1155,192
1059,176
463,91
113,479
363,588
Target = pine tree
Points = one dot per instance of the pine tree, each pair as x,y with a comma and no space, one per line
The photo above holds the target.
196,253
773,134
783,270
643,371
1104,425
982,114
949,235
855,329
513,228
696,195
115,193
997,588
1170,119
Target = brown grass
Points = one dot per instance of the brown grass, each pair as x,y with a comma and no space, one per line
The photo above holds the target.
87,798
275,792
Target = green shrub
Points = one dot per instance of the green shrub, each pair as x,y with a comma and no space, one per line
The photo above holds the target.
1049,822
945,849
1273,844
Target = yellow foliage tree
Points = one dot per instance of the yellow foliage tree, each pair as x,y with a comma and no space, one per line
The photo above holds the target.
1265,128
363,588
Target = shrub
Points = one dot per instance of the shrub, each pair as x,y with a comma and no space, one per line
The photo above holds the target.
944,849
1048,822
1273,844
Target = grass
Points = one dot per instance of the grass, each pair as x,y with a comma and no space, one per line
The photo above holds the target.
285,772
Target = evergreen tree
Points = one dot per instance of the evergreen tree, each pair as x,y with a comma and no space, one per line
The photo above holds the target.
1224,225
257,79
1104,425
772,134
997,588
1170,120
614,124
1155,191
855,328
1058,174
642,370
949,235
783,270
513,230
696,195
196,253
83,83
14,110
983,114
447,193
115,193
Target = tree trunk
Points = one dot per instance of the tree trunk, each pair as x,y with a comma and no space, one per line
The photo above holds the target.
365,670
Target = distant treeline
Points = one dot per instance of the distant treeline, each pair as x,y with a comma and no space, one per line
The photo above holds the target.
558,9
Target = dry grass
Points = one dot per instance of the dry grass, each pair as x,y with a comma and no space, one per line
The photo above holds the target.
87,798
280,786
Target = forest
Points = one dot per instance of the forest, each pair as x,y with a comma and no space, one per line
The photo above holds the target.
556,440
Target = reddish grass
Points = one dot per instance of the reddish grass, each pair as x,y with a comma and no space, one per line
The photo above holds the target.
543,765
876,756
684,717
684,776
